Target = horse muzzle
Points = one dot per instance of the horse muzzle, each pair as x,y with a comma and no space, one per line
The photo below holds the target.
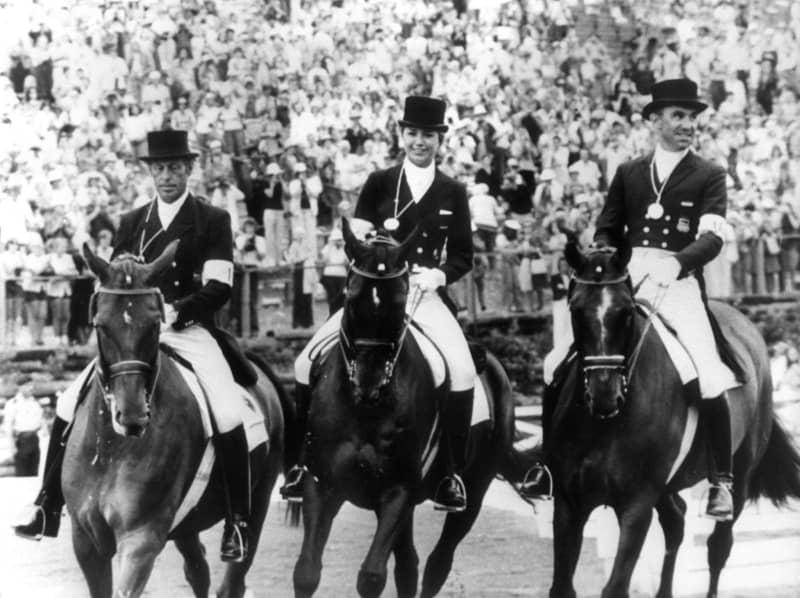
605,385
131,423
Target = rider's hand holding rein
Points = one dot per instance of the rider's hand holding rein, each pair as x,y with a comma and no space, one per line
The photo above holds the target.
428,279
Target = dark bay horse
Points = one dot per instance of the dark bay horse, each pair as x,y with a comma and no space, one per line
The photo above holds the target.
618,426
374,410
137,442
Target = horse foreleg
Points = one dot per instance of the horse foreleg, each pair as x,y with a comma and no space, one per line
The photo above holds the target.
137,552
393,514
568,523
634,521
95,566
319,509
671,510
406,561
456,526
195,566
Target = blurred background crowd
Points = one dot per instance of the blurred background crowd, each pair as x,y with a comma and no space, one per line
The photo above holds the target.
292,103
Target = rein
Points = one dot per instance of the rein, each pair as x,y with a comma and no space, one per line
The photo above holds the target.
128,367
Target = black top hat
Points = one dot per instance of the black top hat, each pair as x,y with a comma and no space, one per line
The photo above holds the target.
167,145
422,112
674,92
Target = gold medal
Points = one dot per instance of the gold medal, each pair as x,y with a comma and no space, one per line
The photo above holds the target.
655,211
391,224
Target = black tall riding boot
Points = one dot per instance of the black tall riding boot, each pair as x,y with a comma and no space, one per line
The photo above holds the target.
717,416
537,484
232,449
292,489
450,494
46,519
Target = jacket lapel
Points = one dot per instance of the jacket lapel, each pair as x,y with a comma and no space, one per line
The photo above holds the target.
183,220
682,169
428,202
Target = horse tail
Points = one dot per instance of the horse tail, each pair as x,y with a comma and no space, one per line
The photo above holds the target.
777,475
290,429
514,458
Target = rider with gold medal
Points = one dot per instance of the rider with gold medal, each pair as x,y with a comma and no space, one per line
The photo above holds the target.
416,195
670,207
205,249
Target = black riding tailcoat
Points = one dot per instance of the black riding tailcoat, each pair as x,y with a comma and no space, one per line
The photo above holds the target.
444,237
205,234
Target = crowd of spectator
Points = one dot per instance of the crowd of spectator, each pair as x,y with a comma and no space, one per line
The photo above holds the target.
292,103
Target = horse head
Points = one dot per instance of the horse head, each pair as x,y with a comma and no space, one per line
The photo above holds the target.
602,309
374,320
127,311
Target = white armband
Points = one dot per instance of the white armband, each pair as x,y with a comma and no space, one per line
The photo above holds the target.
219,270
712,223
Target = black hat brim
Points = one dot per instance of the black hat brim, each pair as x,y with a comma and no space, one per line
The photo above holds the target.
425,127
186,156
695,105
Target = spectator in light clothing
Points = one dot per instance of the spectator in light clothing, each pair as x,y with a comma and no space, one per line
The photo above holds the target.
228,197
251,249
334,270
484,208
11,264
23,418
59,289
35,265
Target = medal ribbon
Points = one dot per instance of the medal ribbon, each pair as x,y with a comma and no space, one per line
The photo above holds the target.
655,210
142,245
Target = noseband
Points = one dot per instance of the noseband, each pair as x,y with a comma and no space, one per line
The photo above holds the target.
127,367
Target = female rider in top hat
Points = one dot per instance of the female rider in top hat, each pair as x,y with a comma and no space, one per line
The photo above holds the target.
670,207
417,194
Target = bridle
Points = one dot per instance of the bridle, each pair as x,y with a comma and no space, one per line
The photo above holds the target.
126,367
349,346
615,363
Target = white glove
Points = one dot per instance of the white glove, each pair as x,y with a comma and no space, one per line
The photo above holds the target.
666,271
429,279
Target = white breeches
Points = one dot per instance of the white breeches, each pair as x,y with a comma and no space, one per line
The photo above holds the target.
681,305
434,319
198,347
562,339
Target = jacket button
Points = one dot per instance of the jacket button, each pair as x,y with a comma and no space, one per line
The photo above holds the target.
425,235
419,249
176,283
667,217
665,231
664,245
645,242
646,229
174,264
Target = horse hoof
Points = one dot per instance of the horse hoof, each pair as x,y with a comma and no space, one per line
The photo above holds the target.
370,584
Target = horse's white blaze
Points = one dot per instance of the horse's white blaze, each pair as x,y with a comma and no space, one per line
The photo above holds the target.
605,305
375,299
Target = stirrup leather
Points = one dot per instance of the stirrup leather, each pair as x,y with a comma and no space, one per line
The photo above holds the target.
534,477
462,489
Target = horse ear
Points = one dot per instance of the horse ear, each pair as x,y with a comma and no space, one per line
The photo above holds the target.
96,264
352,246
574,256
167,256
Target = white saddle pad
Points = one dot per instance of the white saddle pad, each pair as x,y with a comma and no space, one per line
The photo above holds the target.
256,432
675,349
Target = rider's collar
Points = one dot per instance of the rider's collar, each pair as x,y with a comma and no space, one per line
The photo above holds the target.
168,211
419,179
